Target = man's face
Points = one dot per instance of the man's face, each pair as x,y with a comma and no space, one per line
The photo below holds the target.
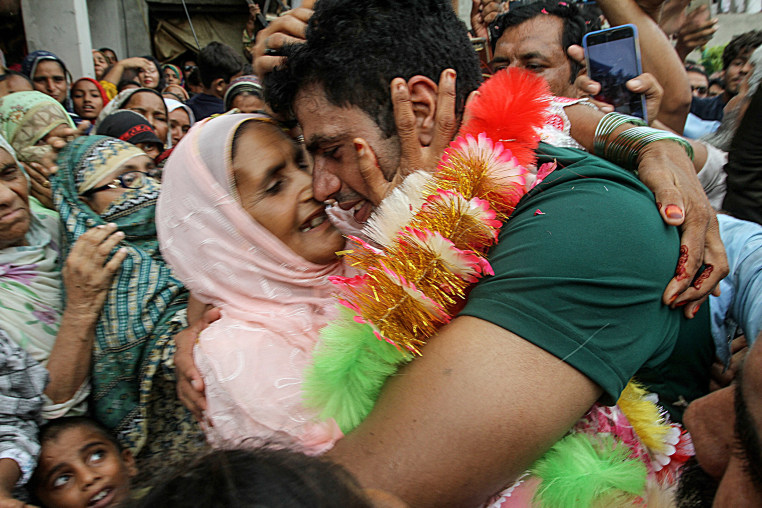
699,84
536,45
49,79
329,133
727,452
737,71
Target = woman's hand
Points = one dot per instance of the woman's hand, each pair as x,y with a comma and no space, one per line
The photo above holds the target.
39,183
88,271
190,384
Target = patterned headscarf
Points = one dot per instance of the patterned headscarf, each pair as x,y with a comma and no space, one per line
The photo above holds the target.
241,84
26,118
133,336
175,70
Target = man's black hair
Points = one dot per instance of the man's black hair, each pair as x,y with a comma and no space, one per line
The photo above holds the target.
217,60
696,68
256,478
740,44
354,49
717,81
576,24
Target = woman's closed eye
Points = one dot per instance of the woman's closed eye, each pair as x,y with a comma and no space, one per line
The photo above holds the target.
275,185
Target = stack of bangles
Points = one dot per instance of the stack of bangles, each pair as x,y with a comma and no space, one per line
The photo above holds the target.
625,147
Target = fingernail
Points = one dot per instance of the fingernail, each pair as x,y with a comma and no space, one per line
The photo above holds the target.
450,74
119,233
658,206
111,224
673,298
681,304
635,82
360,149
674,212
607,109
123,250
401,86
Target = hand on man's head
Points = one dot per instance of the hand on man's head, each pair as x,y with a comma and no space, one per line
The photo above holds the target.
287,29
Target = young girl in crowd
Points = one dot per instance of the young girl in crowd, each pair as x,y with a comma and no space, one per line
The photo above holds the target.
89,98
239,225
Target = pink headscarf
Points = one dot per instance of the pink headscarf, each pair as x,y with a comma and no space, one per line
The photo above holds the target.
273,301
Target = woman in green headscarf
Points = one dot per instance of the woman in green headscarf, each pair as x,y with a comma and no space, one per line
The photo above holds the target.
104,180
27,121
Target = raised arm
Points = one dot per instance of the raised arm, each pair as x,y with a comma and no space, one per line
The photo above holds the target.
659,59
87,277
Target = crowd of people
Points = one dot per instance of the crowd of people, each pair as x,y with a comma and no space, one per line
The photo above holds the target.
232,282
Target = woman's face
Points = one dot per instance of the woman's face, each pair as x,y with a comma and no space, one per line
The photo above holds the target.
275,187
179,124
100,201
149,76
248,102
170,78
99,63
153,108
14,203
87,99
50,78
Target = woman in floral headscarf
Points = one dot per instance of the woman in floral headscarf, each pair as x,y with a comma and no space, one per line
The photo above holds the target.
33,313
104,180
27,121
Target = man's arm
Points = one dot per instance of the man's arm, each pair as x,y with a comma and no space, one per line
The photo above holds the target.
659,59
467,418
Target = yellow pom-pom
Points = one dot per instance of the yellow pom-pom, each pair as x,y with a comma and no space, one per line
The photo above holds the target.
644,416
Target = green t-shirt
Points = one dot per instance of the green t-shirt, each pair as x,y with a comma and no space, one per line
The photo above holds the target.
580,269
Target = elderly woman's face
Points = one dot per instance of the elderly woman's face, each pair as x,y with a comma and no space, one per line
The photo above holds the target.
14,203
100,201
152,107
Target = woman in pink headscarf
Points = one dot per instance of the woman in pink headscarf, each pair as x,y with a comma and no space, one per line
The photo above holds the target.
238,223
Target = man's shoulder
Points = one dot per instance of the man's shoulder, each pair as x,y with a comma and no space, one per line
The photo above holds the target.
709,108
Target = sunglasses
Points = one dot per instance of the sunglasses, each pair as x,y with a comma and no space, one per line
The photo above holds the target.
189,68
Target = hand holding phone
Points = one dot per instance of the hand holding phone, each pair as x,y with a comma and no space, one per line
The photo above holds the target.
613,58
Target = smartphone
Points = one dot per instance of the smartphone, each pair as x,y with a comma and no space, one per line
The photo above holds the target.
613,58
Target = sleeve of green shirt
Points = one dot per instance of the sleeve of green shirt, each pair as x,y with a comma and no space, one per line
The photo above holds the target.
580,269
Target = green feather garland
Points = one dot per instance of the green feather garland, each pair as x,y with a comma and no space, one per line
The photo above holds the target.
582,471
350,365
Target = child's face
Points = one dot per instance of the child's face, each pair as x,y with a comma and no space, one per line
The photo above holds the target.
82,468
275,187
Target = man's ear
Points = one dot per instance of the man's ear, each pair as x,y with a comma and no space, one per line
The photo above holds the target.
423,98
219,85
